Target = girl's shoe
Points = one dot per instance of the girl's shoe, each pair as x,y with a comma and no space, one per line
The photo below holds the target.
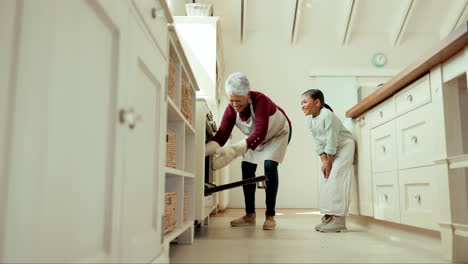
325,220
335,225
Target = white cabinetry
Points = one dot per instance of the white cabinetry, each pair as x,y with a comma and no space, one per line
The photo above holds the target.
82,132
60,191
426,174
402,157
363,168
145,71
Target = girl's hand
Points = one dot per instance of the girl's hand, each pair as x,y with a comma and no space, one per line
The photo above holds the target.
326,168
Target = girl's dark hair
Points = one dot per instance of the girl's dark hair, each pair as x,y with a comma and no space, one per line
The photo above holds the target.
317,94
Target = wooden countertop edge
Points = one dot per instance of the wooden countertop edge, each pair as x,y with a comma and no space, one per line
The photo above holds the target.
448,47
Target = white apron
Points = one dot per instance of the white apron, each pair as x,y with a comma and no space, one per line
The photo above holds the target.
276,140
335,191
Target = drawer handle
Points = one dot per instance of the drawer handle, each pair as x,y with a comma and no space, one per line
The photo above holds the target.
414,139
154,13
409,98
385,196
417,197
384,149
380,113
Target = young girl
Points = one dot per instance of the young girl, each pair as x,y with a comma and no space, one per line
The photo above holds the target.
335,146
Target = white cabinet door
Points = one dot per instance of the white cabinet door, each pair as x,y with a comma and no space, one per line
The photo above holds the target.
386,196
141,215
383,147
415,138
418,198
63,175
364,172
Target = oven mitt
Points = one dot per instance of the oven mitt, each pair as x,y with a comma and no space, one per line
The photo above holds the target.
224,156
211,147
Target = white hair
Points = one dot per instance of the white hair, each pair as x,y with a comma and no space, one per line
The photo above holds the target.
237,84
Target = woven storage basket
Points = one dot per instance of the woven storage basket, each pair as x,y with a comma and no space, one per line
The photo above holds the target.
186,100
170,215
171,149
171,79
185,206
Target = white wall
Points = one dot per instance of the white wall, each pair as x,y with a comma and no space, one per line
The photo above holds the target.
282,71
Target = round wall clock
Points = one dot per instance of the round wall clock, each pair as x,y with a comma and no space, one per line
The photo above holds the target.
379,59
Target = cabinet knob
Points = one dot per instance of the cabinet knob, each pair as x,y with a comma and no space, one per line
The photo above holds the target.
414,139
409,98
380,113
417,197
154,13
383,149
129,117
386,196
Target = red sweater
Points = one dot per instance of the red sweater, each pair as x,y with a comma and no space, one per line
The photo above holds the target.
263,108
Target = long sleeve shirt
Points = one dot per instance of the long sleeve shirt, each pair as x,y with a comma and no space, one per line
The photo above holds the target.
263,108
327,130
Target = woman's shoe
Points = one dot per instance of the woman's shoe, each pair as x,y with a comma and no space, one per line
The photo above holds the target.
246,220
270,223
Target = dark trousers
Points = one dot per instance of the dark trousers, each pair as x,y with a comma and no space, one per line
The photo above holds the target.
271,172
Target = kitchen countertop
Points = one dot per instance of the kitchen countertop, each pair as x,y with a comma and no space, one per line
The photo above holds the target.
451,45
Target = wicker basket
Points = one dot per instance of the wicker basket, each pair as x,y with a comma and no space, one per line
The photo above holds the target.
170,214
171,78
171,149
185,206
186,100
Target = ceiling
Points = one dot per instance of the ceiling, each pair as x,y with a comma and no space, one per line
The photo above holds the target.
340,21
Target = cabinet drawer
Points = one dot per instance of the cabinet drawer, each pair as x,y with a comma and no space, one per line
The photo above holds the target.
415,138
386,196
417,94
382,113
417,197
155,20
383,148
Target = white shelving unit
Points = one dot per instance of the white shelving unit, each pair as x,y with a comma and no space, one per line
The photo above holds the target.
181,116
201,36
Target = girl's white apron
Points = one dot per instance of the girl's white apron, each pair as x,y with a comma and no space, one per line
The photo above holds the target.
335,191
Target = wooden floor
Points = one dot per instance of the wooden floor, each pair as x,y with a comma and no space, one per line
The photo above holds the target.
293,241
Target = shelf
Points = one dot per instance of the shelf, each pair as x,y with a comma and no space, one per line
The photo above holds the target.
174,114
191,128
458,162
177,232
176,172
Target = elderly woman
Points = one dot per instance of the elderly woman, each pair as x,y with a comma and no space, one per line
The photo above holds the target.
268,132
